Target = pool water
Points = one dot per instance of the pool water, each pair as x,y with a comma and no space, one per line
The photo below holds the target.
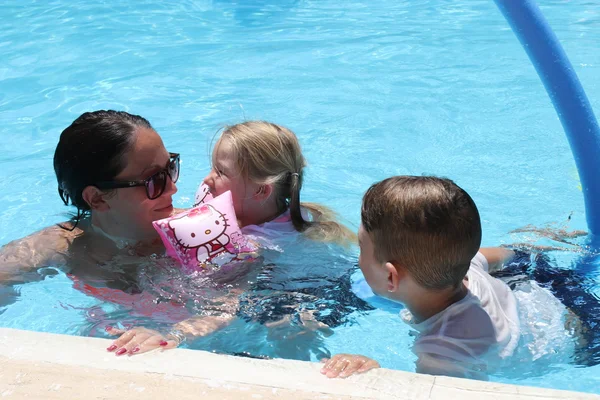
372,89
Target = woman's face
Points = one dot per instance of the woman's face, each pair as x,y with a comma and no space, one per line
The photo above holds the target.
131,212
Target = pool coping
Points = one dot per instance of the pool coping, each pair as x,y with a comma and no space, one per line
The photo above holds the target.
53,366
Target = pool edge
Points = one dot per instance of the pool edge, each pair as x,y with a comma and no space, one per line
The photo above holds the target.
45,365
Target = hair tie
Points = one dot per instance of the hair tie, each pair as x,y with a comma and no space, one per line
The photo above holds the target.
295,174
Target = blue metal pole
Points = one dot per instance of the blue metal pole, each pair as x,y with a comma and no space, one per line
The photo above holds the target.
567,95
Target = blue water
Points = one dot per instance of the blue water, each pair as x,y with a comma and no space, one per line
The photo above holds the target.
372,89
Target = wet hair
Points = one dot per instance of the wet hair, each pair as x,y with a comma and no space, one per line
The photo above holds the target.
428,225
92,150
267,153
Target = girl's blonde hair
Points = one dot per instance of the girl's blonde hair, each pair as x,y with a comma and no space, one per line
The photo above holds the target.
269,154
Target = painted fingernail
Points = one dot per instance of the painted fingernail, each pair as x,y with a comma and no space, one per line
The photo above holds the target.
112,347
163,343
135,350
108,328
121,351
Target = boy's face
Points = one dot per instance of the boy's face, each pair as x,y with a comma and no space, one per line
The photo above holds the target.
375,272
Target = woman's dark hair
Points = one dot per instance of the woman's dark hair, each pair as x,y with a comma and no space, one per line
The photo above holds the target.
91,150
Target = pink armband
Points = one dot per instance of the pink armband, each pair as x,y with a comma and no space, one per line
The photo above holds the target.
208,233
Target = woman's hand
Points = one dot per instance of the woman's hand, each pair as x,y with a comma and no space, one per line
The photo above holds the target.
344,365
140,340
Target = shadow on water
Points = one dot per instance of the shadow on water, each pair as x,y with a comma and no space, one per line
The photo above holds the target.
255,13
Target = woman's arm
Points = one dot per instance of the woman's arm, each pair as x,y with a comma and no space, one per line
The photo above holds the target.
140,340
22,256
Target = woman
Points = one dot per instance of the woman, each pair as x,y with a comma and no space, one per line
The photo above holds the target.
114,168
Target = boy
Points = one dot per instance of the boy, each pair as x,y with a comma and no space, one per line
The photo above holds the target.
419,240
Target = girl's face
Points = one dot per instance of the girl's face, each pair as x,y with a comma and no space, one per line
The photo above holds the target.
131,212
225,175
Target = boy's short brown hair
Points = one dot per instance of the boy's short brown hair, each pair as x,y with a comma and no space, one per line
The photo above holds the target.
428,225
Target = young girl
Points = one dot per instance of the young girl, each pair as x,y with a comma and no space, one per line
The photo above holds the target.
261,163
263,166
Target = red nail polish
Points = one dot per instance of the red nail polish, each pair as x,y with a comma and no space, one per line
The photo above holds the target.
108,328
121,351
111,348
135,350
163,343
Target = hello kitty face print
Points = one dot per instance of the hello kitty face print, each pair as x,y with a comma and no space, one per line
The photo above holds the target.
203,195
205,234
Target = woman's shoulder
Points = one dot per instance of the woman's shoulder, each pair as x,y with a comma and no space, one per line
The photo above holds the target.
45,246
57,237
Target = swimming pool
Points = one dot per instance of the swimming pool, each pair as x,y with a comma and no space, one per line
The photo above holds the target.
372,89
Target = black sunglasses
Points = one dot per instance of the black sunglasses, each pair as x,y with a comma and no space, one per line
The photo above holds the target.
155,184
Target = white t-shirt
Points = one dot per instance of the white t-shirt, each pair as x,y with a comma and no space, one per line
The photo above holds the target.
470,336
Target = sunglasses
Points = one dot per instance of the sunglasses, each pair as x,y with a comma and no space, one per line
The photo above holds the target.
155,184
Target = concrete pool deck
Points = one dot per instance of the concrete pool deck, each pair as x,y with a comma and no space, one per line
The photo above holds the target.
49,366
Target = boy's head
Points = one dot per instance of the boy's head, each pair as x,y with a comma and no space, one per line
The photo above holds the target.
426,226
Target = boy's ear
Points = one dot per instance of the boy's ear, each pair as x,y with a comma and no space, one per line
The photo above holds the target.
264,192
94,197
394,276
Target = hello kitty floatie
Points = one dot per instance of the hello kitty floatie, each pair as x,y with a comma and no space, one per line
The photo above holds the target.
203,195
207,233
